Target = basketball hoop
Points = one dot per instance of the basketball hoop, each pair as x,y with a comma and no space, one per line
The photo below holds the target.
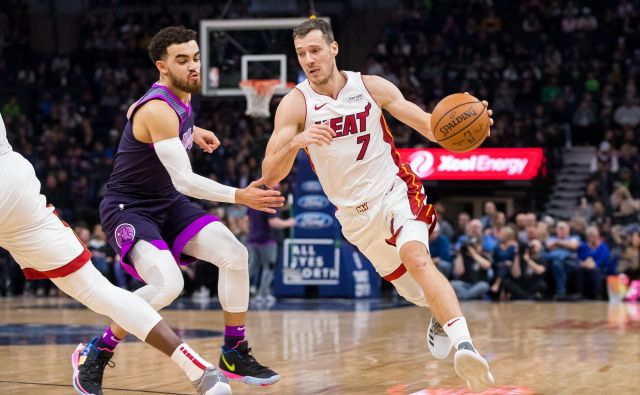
258,94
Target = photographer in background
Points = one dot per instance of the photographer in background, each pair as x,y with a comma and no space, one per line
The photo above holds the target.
471,270
526,279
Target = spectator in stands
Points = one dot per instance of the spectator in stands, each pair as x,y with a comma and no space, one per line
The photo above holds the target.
604,179
463,220
445,227
489,215
104,257
440,250
595,264
503,257
628,157
628,114
472,229
263,251
605,154
526,279
624,208
471,270
629,262
578,225
560,255
584,120
491,236
627,180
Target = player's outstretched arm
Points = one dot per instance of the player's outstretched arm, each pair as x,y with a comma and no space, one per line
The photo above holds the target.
389,98
285,141
157,123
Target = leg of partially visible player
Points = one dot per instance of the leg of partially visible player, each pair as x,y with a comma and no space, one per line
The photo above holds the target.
89,287
413,248
216,244
45,247
159,270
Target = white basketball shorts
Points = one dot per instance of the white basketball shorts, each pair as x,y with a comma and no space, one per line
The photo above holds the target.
379,228
42,244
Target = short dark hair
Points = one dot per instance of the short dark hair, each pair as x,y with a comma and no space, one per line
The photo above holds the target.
167,37
314,24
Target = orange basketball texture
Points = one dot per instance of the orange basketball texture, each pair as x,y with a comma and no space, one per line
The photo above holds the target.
460,122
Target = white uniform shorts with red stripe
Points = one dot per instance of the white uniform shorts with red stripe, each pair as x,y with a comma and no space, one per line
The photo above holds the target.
42,244
380,227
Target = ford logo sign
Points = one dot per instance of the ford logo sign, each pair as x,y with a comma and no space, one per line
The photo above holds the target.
311,186
313,202
313,220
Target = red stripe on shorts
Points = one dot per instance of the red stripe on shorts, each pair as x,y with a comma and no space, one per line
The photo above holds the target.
74,265
65,270
396,274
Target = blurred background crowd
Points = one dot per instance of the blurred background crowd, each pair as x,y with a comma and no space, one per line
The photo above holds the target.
556,74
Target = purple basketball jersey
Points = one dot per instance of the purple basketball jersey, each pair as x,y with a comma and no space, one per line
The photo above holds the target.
137,170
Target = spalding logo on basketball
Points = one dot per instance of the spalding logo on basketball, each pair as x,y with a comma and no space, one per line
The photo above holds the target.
125,233
460,122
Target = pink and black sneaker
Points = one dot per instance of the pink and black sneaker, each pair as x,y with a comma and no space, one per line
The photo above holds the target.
88,364
238,364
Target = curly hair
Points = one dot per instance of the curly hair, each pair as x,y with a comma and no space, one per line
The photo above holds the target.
167,37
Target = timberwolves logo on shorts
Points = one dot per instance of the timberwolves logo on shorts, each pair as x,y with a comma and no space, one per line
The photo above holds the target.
125,233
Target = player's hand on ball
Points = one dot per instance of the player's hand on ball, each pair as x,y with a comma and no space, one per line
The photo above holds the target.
318,134
489,111
259,199
206,139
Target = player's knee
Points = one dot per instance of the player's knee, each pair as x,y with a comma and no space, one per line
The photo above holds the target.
417,263
168,291
236,256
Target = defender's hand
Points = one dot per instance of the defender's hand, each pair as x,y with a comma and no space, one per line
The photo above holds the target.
259,199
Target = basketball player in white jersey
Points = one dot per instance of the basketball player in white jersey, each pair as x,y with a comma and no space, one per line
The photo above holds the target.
45,247
336,116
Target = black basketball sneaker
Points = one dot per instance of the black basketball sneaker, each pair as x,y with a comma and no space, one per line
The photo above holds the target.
238,364
88,364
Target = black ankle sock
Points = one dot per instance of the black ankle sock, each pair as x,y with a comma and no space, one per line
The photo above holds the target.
231,341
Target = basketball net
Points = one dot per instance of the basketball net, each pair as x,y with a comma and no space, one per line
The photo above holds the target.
258,94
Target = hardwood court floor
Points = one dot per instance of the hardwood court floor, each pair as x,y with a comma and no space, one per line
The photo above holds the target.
544,348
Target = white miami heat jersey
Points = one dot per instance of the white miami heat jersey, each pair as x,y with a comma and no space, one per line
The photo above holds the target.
4,143
361,162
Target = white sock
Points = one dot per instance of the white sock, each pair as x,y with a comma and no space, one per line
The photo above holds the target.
457,331
189,361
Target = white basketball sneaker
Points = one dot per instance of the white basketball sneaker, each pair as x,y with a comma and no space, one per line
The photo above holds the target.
212,382
472,368
438,341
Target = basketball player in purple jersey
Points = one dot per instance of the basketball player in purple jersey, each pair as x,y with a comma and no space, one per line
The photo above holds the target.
153,225
46,247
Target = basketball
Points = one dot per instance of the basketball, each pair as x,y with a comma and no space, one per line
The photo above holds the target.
460,122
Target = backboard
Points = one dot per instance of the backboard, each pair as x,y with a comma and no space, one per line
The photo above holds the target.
239,49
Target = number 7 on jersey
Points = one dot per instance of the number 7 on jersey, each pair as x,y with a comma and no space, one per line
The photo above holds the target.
364,140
